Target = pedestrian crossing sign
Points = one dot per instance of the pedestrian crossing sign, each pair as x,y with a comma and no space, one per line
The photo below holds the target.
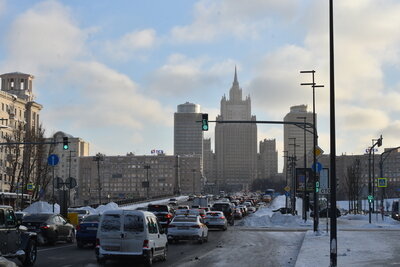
382,182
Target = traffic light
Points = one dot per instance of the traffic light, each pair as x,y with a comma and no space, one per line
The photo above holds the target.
370,198
379,143
65,143
317,186
204,122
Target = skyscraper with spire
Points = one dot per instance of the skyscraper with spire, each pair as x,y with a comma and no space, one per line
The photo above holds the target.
235,143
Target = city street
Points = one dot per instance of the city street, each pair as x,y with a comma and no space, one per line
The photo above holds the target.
234,247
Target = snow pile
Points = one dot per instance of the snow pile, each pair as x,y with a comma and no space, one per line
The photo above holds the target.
109,206
42,207
265,217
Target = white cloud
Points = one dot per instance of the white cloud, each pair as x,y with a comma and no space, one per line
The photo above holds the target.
131,44
181,74
242,19
44,37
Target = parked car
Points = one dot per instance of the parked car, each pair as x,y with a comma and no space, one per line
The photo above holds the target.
251,209
173,201
164,213
191,197
20,215
284,210
227,209
187,227
49,227
86,230
216,219
130,233
16,241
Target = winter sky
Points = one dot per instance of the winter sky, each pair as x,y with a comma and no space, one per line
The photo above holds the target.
113,72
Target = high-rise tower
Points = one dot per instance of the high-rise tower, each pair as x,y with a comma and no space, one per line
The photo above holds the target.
235,143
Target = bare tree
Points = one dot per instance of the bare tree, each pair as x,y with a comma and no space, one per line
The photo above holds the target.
353,185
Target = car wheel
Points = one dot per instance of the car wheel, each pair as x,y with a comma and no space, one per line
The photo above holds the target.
71,236
164,258
148,260
30,253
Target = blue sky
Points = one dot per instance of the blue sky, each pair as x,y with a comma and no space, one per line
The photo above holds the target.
113,72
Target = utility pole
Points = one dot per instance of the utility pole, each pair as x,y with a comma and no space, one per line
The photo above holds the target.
294,159
305,172
98,158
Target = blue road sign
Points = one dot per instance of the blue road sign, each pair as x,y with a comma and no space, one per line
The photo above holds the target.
317,167
287,194
53,160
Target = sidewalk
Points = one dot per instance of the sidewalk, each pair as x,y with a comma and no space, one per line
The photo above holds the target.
359,244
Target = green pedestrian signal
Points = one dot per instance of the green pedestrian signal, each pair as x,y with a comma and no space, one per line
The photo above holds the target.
317,186
65,143
370,198
204,122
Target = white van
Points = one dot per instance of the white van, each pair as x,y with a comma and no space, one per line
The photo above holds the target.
130,233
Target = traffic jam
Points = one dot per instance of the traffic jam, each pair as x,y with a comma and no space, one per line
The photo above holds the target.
144,233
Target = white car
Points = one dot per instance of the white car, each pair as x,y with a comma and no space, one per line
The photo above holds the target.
187,227
130,233
216,219
173,202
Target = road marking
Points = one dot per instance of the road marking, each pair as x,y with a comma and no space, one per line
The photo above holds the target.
47,249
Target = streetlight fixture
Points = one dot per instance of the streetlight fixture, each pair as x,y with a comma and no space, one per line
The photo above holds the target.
370,193
315,177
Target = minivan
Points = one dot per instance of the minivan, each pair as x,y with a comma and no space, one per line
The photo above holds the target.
130,233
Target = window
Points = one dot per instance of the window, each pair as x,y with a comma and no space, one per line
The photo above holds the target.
10,219
111,223
133,223
152,225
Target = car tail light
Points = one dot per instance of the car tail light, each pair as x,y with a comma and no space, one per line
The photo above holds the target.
195,226
44,227
222,217
78,227
171,226
97,242
169,216
145,243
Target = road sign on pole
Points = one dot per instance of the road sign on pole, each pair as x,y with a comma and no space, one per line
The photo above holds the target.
317,167
382,182
53,160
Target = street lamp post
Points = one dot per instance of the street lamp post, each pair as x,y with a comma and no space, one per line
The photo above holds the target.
286,175
98,158
314,172
294,159
147,168
305,173
377,143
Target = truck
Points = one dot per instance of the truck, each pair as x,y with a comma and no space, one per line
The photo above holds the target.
200,202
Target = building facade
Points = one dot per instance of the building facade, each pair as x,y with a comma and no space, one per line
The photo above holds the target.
267,164
188,136
235,143
115,178
19,115
293,136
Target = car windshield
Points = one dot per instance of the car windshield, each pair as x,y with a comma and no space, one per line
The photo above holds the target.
36,217
185,219
92,218
157,208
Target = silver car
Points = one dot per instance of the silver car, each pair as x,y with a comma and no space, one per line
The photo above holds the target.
216,219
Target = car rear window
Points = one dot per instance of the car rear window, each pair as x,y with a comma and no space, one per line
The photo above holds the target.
185,219
111,222
221,207
133,223
36,217
157,208
92,218
213,214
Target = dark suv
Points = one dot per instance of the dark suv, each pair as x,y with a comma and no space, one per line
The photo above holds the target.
16,241
227,208
164,213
